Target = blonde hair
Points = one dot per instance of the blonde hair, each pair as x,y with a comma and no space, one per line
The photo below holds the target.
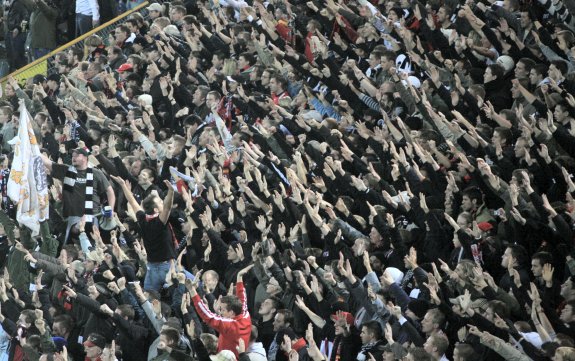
93,40
466,267
210,343
567,353
162,22
230,67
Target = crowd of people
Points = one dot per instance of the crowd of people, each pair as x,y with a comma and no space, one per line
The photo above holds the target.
290,180
33,28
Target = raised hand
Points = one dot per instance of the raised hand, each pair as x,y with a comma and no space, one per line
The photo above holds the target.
568,180
106,309
423,203
462,334
466,301
436,274
112,286
40,323
547,274
433,289
300,303
410,260
517,216
286,344
241,347
121,182
191,330
533,293
243,271
191,286
552,212
70,292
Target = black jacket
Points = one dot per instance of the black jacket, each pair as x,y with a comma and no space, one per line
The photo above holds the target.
133,338
96,321
498,93
17,13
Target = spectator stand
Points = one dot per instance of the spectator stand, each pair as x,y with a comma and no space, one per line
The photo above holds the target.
46,65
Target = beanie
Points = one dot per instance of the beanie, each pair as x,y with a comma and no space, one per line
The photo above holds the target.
418,307
414,123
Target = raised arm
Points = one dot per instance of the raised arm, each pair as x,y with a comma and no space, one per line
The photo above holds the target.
168,201
129,196
47,162
240,289
111,196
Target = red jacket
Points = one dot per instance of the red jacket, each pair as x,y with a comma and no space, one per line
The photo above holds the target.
230,330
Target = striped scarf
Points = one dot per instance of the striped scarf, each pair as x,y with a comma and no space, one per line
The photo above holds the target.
4,175
70,182
74,133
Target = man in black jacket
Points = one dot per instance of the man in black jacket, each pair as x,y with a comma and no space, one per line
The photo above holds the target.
63,326
371,341
96,319
16,14
132,337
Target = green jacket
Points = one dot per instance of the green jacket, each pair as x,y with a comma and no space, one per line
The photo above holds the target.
46,345
17,266
483,214
50,244
43,26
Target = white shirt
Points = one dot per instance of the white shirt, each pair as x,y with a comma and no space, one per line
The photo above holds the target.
88,7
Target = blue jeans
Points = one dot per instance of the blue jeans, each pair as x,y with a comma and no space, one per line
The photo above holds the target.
83,24
37,53
132,4
16,50
156,275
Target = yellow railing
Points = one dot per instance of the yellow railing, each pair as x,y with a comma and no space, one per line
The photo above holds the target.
41,66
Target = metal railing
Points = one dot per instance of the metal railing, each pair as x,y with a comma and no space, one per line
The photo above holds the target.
45,65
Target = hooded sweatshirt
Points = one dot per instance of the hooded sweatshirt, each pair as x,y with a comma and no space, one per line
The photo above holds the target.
230,329
256,352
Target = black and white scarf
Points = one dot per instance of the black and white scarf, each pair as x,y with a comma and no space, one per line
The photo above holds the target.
70,182
74,133
363,355
4,175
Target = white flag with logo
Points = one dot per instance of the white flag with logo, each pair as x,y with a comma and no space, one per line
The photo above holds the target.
27,184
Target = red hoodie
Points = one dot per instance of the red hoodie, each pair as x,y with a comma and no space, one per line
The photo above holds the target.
230,330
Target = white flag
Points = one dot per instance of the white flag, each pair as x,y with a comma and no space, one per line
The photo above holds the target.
27,185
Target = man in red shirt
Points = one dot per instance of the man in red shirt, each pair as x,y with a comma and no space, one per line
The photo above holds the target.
234,321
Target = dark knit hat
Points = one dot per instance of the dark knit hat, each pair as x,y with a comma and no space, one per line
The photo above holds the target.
95,340
59,343
102,289
414,123
418,307
82,151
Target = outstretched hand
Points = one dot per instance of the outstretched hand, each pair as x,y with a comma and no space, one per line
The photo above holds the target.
243,271
121,182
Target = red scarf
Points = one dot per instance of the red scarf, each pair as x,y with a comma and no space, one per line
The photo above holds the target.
18,353
308,50
277,97
285,31
299,344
